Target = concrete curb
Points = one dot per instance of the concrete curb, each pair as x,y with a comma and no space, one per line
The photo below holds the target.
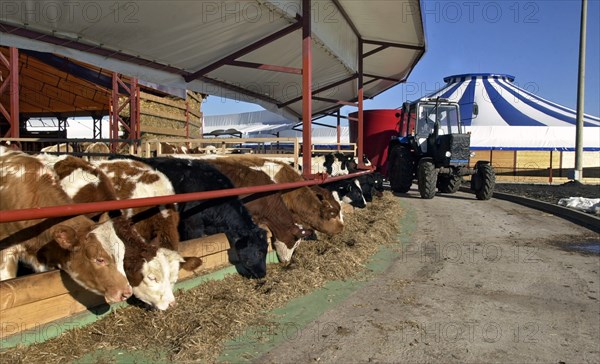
581,218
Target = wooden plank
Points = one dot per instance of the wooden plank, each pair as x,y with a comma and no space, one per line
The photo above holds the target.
31,315
23,290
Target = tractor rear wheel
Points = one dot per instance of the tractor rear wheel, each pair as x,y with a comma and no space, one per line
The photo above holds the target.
449,183
483,181
400,169
427,178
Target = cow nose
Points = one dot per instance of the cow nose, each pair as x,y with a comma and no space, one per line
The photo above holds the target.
126,293
173,304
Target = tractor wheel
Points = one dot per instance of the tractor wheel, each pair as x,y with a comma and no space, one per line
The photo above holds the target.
483,181
427,178
449,184
400,169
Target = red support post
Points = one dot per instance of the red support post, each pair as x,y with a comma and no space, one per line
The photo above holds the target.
339,130
359,139
14,92
114,114
187,116
12,84
306,88
133,100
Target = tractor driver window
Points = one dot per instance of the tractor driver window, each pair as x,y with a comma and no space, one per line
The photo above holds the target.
426,121
448,120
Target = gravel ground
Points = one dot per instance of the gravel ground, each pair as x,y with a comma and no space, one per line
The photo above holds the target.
550,193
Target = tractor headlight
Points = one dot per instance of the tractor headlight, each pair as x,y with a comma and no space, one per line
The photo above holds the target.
448,154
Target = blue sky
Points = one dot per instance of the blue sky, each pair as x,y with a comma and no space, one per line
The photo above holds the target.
535,41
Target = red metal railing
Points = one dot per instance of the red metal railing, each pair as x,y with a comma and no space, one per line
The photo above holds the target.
85,208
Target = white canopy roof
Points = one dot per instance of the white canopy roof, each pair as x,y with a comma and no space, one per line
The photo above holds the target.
220,48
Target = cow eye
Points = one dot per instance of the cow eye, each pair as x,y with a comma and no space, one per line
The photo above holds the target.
152,278
101,261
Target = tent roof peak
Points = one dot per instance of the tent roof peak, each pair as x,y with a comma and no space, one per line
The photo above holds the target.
468,76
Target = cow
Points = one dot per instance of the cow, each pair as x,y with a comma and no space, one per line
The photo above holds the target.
370,184
96,151
151,260
266,209
309,209
91,253
332,164
347,191
10,145
61,148
223,215
168,148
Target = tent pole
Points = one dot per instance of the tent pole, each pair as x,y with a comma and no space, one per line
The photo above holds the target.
578,175
306,88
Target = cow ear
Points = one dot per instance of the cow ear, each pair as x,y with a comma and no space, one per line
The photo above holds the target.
191,263
104,218
319,196
66,237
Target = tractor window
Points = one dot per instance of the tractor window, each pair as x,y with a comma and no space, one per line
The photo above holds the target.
426,120
448,118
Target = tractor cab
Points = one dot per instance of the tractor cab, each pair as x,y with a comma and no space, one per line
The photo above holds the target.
433,147
430,117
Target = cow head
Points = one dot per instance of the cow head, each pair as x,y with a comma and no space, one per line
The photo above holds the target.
84,254
330,219
355,194
249,253
159,276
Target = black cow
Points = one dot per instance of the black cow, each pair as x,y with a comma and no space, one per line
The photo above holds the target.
348,191
224,215
371,185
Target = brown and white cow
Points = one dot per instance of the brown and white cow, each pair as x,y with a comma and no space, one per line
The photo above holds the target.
266,209
318,211
79,246
96,151
58,148
152,268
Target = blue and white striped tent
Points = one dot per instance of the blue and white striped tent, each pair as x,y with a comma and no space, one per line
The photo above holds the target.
512,118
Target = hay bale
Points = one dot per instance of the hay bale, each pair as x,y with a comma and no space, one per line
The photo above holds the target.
167,114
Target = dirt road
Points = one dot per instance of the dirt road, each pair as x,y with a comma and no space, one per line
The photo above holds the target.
475,281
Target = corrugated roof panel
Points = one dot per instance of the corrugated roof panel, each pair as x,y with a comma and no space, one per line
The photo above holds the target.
165,42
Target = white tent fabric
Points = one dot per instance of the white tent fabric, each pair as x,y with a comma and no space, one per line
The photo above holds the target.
217,47
512,118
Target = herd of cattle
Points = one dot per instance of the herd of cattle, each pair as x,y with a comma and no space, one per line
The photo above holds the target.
135,251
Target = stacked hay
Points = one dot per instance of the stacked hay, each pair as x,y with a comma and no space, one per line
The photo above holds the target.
214,312
165,117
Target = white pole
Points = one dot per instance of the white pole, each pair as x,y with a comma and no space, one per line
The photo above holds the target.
580,96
